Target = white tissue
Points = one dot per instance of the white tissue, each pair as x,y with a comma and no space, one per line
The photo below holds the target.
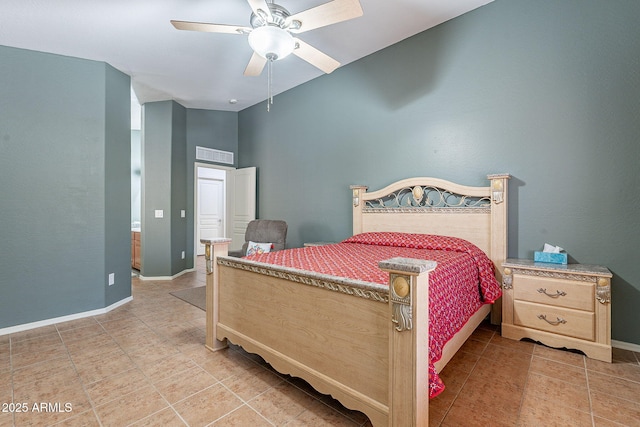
552,249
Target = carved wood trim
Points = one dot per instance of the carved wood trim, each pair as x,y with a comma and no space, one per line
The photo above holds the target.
345,288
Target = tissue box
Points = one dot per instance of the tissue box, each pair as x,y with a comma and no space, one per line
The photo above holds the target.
554,258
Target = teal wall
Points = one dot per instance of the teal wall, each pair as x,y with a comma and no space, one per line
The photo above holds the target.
136,176
64,141
117,192
169,139
210,129
548,91
163,186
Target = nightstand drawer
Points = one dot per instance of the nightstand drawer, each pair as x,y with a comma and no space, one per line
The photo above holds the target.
561,293
564,321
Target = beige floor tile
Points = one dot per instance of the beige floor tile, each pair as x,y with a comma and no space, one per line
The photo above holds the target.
224,364
81,333
35,344
6,419
558,392
117,314
116,386
502,394
54,380
613,386
6,387
185,384
83,419
252,382
521,346
77,323
628,370
165,418
242,417
33,333
282,403
612,408
568,373
207,406
105,366
152,353
319,414
131,407
167,367
474,346
101,343
42,354
52,403
42,370
563,356
536,412
5,360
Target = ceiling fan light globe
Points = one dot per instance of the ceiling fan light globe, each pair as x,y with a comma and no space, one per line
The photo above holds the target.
271,42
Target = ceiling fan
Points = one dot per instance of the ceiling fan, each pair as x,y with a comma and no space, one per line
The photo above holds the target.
271,35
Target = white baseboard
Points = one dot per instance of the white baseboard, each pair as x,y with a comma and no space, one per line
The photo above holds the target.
625,346
188,270
47,322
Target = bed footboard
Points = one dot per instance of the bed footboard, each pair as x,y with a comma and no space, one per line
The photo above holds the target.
364,344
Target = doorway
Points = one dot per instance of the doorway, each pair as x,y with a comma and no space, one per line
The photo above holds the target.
225,203
210,210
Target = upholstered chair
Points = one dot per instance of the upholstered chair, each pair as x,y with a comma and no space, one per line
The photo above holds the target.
264,231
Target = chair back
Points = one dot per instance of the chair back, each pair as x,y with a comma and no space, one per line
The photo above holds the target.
266,231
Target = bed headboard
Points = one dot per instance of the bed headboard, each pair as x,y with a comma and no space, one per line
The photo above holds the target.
436,206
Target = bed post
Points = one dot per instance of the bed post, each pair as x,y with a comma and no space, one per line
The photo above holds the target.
213,248
499,232
408,340
358,193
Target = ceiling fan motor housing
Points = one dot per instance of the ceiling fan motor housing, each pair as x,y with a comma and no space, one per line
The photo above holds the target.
279,17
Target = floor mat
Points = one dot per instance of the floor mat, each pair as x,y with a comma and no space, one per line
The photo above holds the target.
194,296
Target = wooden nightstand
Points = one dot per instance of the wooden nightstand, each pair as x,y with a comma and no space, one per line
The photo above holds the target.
562,306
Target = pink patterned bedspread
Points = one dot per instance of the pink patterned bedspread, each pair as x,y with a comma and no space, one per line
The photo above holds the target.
461,283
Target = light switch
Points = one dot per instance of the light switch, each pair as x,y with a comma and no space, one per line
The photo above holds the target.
183,213
159,213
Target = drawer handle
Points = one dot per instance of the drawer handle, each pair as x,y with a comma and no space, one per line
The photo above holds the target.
556,295
551,322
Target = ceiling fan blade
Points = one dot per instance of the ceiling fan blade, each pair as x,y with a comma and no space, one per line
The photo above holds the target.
326,14
255,66
314,57
257,5
210,28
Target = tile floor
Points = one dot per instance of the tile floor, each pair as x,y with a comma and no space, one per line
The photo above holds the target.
144,364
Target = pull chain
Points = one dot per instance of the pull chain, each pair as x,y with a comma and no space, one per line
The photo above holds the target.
269,83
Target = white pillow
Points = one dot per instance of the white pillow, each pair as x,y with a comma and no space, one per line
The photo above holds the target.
258,248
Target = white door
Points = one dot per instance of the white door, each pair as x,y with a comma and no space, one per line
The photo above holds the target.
210,209
241,192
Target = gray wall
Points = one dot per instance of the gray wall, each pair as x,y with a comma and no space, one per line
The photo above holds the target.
548,91
169,139
136,175
64,141
210,129
163,188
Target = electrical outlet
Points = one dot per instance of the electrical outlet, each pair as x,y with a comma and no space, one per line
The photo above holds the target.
159,213
112,278
183,213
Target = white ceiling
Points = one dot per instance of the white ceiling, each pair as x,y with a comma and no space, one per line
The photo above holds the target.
205,70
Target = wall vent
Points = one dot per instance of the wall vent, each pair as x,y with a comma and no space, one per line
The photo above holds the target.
211,155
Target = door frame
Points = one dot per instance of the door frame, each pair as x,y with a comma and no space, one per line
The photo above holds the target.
197,165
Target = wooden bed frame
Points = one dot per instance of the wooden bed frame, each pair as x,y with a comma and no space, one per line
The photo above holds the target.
365,344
